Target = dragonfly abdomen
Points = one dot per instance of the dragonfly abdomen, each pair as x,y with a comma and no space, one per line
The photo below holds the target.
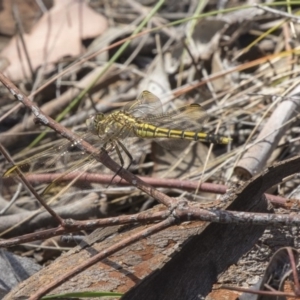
146,130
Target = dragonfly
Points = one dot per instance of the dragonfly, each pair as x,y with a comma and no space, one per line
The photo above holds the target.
143,118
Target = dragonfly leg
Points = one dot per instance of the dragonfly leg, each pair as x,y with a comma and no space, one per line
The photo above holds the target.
127,153
118,144
104,148
119,155
115,146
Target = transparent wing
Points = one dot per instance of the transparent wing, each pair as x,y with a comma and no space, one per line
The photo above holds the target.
79,164
64,157
61,158
189,117
39,161
147,105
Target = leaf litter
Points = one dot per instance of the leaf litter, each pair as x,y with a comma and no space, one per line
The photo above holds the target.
240,65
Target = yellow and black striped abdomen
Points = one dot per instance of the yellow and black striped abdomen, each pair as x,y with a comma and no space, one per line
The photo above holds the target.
145,130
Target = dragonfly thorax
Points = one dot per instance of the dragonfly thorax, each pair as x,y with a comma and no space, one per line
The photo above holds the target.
117,124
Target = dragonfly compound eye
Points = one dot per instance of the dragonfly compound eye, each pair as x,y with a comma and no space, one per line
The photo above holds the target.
93,123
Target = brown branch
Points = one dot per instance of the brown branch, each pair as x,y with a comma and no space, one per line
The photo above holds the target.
188,213
73,226
155,182
184,212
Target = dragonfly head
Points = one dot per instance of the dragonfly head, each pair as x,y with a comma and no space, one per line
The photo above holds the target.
93,123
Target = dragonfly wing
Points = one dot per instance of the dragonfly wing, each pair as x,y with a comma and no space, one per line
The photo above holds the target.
61,157
190,117
84,162
37,163
147,105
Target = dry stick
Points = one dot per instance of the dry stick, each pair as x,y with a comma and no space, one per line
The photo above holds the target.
294,271
104,179
156,182
277,12
101,156
103,254
31,189
235,217
12,200
183,213
86,225
255,158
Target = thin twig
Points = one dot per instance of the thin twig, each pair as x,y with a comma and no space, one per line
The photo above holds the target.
31,188
144,217
295,18
170,183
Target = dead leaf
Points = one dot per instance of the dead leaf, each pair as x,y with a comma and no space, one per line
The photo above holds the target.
28,10
56,35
